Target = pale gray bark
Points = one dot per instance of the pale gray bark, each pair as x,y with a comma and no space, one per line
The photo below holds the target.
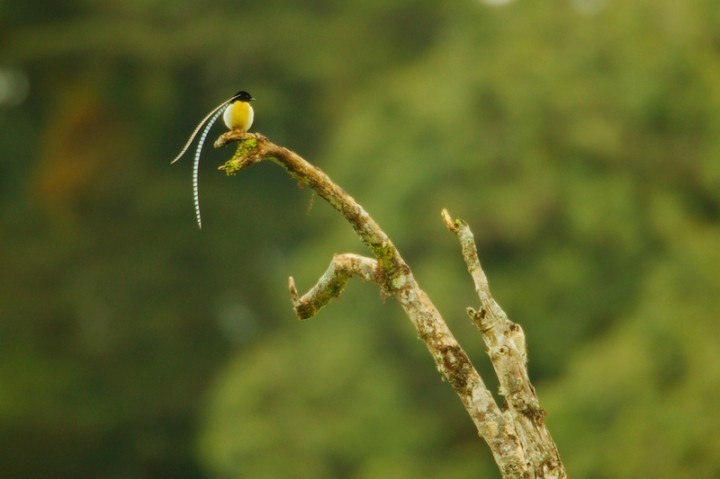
516,432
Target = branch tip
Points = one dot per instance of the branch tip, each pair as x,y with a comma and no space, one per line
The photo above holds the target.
293,289
236,135
449,222
453,225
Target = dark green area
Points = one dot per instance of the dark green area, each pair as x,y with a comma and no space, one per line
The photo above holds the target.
580,139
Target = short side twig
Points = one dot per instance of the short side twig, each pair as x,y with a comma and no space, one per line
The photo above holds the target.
331,284
505,341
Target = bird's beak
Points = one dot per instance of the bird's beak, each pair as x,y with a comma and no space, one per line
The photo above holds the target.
252,99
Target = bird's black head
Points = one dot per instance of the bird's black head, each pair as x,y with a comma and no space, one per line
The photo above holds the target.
242,96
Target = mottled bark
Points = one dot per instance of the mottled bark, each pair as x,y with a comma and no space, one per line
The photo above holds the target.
516,434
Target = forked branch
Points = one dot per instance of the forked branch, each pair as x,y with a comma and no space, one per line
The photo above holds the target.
505,342
517,436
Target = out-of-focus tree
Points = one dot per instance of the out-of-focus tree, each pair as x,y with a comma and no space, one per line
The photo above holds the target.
580,142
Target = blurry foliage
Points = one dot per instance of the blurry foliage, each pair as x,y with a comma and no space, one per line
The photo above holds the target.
341,406
582,148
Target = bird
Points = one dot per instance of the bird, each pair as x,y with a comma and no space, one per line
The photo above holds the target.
238,115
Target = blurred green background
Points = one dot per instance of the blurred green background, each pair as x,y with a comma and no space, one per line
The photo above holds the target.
579,138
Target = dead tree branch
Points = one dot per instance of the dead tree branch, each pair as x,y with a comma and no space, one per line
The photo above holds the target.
518,439
331,284
505,342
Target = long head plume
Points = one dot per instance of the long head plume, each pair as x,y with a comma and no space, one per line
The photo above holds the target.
196,165
200,125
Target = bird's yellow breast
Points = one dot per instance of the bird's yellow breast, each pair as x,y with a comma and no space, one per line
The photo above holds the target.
239,115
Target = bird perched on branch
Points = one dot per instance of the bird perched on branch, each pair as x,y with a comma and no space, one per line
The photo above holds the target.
238,116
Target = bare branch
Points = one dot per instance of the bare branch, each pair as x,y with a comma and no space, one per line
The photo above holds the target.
505,341
390,271
331,284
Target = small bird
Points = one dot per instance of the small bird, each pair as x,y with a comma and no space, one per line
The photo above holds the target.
238,116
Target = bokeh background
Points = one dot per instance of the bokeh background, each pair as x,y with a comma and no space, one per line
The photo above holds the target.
579,138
